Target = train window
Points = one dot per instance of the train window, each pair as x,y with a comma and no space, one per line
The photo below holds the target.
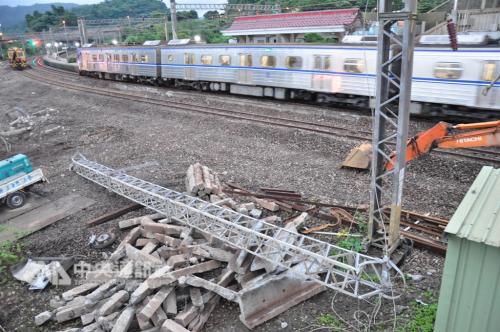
489,69
354,65
450,70
94,57
134,57
293,62
124,57
206,59
116,57
189,58
322,62
101,57
267,61
144,58
170,57
246,60
225,60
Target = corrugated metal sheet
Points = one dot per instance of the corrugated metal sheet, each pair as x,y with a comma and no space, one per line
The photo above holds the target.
478,216
469,298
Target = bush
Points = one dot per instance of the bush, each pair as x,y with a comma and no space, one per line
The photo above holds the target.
72,60
313,38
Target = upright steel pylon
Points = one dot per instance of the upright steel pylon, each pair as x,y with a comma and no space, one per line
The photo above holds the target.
391,119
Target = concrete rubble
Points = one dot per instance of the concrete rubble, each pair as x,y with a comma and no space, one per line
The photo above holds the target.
164,276
186,282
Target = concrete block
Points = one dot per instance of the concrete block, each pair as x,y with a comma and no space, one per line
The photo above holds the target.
43,317
171,326
114,302
137,255
154,303
208,285
82,289
256,213
159,317
142,242
140,293
128,223
168,240
157,281
196,298
149,247
124,320
130,238
170,303
266,204
187,315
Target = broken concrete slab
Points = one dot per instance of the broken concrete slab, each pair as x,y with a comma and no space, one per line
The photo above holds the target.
273,296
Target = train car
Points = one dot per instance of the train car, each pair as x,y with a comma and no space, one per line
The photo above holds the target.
120,63
17,58
444,82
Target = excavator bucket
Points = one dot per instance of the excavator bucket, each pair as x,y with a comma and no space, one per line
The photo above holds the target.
359,157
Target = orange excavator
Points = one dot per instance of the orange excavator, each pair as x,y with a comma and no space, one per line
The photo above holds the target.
443,135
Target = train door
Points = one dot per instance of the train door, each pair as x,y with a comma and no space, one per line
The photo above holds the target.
489,95
245,75
320,81
109,63
189,70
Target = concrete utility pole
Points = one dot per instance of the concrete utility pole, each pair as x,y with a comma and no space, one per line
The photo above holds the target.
166,28
83,31
66,36
390,123
173,15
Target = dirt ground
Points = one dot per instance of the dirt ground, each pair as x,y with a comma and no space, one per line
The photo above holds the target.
122,134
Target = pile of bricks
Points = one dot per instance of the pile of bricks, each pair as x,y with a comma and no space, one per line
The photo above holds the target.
190,271
202,181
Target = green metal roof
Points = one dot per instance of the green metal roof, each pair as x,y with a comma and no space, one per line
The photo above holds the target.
478,215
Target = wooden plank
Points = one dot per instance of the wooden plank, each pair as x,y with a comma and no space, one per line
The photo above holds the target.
43,216
113,214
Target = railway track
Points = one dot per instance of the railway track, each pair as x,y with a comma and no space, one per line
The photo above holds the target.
50,76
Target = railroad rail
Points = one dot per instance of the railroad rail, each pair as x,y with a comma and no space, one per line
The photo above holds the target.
351,273
490,156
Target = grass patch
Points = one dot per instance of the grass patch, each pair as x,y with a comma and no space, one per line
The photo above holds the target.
9,254
360,218
423,318
353,243
328,320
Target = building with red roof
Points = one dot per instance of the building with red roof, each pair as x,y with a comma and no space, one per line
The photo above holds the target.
291,27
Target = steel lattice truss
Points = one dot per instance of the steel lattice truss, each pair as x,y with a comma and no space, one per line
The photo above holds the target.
349,272
392,116
225,6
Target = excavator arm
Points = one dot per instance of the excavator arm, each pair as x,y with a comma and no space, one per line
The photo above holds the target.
446,136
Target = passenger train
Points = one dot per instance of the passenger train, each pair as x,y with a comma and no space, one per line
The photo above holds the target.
445,82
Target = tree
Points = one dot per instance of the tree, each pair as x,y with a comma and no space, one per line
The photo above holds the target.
211,14
192,14
54,17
